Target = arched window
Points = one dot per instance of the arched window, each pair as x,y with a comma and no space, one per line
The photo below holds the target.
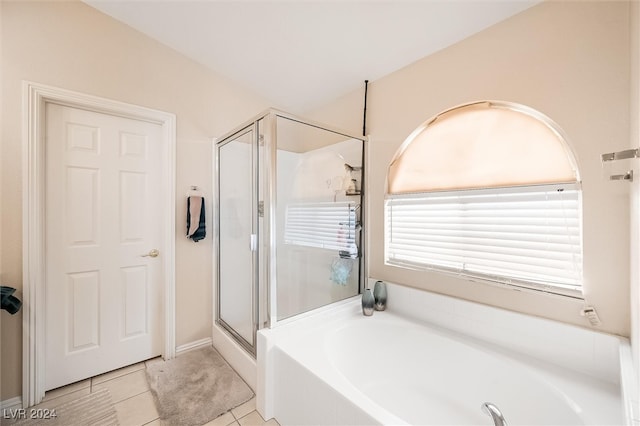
488,190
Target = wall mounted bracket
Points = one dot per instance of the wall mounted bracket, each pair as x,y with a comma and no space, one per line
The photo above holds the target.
621,155
627,176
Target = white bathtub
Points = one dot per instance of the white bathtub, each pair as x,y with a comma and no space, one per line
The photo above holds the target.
339,367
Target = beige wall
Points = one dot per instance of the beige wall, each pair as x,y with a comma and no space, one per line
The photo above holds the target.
72,46
569,60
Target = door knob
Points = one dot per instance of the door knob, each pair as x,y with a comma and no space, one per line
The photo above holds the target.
152,253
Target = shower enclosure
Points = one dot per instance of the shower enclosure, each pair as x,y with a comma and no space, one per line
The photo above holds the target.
288,214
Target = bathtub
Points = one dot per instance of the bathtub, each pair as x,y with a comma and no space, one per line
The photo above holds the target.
336,366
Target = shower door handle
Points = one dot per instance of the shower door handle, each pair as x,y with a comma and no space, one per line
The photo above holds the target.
254,242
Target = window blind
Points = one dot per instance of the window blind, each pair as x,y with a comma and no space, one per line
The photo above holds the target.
527,236
330,226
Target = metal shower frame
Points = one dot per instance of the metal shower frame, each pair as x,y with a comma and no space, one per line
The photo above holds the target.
264,295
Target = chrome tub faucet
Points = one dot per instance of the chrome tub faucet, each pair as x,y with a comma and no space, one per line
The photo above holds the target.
496,415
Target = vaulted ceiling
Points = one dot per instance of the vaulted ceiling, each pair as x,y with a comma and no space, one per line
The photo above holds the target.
302,54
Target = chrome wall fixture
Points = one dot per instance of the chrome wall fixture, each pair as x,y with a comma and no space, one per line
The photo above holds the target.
621,155
628,176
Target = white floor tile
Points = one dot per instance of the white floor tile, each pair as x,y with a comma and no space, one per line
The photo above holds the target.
222,420
137,411
64,398
58,401
244,409
134,402
56,393
117,373
124,387
252,419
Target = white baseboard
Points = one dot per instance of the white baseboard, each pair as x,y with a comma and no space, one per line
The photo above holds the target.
11,403
194,345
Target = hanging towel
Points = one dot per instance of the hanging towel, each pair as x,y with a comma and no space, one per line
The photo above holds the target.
195,218
9,302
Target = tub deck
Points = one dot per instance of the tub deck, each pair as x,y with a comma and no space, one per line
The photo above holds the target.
339,367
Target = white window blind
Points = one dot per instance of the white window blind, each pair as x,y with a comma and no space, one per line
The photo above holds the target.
330,226
529,236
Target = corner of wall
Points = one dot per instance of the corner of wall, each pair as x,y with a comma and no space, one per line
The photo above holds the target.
634,142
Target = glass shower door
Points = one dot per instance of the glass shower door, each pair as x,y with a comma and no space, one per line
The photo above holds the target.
237,241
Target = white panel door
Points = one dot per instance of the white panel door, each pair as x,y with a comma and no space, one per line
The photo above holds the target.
103,214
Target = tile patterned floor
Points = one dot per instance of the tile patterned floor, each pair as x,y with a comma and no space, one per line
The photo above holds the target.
134,403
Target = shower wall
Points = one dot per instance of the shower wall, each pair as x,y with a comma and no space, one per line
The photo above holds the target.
288,214
316,271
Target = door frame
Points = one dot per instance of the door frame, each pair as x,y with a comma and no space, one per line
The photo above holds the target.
246,345
35,98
